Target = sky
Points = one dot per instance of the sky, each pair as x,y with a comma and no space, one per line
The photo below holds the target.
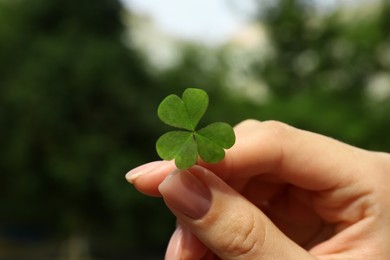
209,21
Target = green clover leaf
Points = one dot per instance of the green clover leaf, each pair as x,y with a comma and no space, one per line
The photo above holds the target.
186,145
184,112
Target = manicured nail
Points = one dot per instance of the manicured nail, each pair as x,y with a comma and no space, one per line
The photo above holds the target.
145,168
184,192
184,245
175,245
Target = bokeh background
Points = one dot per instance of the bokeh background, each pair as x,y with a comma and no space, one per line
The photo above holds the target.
80,82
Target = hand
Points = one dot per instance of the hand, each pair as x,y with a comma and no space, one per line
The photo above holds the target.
280,193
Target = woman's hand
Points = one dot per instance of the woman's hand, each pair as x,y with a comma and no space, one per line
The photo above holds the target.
280,193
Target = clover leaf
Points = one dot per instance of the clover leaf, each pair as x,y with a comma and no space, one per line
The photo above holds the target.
187,144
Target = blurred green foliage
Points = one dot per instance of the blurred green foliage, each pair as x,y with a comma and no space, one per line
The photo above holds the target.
77,106
323,66
77,112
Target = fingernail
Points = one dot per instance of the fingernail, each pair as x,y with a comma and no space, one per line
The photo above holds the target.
184,245
136,172
175,245
184,192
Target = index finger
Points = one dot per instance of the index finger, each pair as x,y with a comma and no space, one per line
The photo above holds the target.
299,157
305,159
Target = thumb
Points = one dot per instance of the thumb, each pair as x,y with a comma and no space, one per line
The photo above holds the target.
225,222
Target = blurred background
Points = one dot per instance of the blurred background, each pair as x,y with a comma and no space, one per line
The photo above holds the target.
80,82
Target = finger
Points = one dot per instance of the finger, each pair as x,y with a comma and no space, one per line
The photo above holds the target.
223,220
305,159
184,245
147,177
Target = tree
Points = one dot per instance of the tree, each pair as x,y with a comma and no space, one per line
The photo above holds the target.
75,115
321,69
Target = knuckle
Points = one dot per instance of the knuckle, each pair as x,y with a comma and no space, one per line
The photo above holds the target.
243,242
276,129
248,123
272,129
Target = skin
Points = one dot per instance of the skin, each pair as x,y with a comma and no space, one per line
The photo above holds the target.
280,193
